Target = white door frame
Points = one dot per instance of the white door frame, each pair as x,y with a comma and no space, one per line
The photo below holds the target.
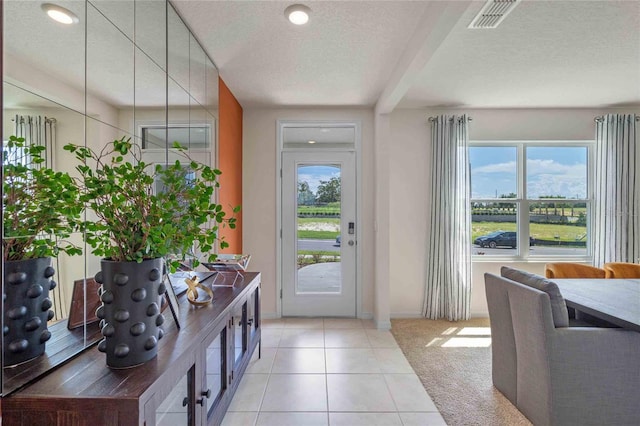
281,124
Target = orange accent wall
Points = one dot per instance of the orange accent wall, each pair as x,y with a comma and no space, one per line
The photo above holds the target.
230,163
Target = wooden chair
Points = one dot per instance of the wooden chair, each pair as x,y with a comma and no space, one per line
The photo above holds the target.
572,270
622,270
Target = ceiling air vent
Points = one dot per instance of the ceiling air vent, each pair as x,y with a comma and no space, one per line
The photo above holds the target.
493,13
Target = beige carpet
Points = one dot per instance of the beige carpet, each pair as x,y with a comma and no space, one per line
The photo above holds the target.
453,361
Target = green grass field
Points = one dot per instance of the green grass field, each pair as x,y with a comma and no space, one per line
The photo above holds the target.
551,211
332,254
331,208
542,231
312,220
314,228
317,235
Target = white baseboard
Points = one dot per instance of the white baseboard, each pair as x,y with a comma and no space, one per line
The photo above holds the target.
400,315
273,315
383,325
406,315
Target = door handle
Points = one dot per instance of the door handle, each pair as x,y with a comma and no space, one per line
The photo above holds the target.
351,242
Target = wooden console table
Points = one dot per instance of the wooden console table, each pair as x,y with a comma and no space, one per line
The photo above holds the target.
190,382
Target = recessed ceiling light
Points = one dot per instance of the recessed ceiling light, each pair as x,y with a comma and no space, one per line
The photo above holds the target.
312,142
298,14
60,14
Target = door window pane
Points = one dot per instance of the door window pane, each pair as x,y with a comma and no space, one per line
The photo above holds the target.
239,337
319,221
173,410
216,369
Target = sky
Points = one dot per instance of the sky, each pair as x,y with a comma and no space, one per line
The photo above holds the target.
550,171
314,174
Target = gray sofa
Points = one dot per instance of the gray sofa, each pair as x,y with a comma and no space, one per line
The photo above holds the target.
558,375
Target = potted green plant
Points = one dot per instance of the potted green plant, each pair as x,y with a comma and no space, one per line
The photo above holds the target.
40,209
143,214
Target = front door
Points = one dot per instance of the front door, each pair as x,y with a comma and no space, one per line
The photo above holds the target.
319,233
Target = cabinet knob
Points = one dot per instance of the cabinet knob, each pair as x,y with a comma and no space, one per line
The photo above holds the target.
206,394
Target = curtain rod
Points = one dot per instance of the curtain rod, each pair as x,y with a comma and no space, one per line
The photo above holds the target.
451,118
600,118
46,119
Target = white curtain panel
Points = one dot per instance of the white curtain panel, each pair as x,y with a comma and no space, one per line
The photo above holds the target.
38,130
448,275
616,221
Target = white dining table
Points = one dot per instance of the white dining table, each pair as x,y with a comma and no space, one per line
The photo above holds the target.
614,300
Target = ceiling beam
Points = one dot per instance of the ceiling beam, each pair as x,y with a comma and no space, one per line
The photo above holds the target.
439,18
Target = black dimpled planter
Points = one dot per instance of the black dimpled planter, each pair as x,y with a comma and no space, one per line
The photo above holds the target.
26,308
130,311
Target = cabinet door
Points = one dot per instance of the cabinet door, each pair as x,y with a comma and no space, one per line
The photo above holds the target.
215,373
239,335
173,406
253,315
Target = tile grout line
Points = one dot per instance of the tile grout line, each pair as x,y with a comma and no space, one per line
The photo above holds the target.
326,371
270,372
266,386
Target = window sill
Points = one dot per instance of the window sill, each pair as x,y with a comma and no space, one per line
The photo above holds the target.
536,259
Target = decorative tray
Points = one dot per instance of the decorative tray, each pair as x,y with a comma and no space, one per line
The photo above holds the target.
229,263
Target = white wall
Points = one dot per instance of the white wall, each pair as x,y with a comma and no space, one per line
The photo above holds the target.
259,193
411,183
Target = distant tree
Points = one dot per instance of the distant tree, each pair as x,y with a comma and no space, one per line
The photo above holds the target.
555,205
329,191
305,196
506,205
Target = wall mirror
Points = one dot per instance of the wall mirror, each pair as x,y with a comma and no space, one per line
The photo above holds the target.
126,68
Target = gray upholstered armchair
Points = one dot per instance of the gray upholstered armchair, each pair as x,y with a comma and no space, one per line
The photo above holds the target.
560,375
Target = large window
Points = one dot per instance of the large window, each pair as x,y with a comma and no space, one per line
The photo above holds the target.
530,199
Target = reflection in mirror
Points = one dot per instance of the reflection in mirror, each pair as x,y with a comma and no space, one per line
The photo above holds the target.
211,103
177,49
178,116
99,86
110,67
150,36
41,122
197,71
150,98
119,12
98,134
200,134
27,29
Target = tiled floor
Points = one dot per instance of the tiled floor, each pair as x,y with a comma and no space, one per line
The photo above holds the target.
316,371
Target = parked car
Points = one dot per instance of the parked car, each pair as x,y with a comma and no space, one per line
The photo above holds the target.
500,238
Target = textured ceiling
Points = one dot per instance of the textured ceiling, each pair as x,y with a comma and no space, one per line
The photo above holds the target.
344,56
545,54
